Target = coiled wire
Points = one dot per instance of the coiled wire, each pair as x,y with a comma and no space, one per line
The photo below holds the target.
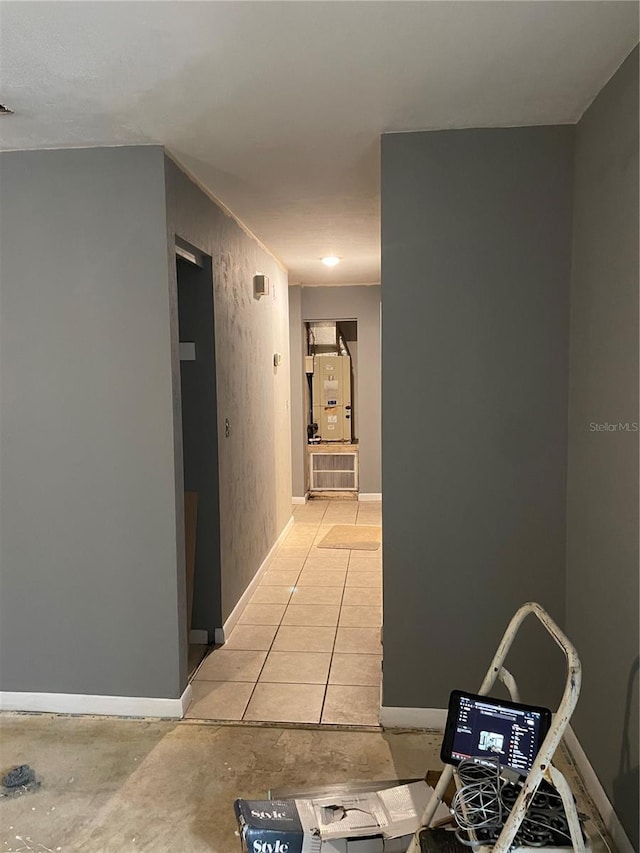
483,802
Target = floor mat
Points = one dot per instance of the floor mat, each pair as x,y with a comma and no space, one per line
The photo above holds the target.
353,537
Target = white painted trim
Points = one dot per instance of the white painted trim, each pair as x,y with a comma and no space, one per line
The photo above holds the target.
298,501
185,699
370,496
199,637
223,207
236,613
80,703
597,793
413,718
334,283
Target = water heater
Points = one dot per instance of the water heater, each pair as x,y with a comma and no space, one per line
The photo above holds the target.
332,397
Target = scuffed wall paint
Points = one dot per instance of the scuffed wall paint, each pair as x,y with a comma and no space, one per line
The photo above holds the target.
255,459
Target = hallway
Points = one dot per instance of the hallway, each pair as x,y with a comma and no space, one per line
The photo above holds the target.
307,647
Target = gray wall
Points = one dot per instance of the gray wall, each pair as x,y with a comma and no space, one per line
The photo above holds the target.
602,542
92,539
87,500
476,259
361,303
255,460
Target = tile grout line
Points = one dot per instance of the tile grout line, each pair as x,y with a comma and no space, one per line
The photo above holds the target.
326,685
270,649
381,610
279,625
335,638
340,607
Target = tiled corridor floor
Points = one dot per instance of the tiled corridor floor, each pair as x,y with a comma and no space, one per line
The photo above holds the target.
307,647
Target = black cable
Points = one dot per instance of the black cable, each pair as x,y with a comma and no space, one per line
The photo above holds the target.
484,801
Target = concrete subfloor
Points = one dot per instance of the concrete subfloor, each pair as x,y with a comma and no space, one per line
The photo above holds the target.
114,786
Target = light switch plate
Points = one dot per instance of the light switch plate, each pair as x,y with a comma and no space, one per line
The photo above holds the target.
187,351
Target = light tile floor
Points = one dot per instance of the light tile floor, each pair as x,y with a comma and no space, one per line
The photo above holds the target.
307,646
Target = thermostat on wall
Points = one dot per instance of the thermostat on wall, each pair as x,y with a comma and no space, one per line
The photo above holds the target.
260,285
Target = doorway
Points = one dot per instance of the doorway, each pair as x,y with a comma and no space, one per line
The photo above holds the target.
331,406
199,448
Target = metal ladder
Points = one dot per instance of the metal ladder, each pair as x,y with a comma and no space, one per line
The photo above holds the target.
542,766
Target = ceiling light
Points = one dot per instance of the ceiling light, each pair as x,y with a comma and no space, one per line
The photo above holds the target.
331,261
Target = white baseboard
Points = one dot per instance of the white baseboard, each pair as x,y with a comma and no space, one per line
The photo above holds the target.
597,793
370,496
80,703
299,501
232,619
198,637
185,699
413,718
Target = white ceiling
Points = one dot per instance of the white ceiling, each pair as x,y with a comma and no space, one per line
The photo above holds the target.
277,107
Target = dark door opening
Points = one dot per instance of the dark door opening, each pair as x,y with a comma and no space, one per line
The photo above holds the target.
200,450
